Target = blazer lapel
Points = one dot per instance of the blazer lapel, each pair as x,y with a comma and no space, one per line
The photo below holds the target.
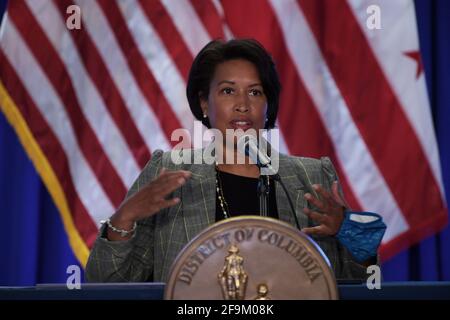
198,203
199,199
296,190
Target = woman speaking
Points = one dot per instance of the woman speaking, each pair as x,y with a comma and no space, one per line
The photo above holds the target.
232,85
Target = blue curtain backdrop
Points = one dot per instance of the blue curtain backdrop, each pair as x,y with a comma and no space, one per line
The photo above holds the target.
33,244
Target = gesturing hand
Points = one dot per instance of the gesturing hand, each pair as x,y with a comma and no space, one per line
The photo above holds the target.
331,211
148,200
152,197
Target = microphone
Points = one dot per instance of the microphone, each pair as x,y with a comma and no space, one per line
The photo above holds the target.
262,160
253,151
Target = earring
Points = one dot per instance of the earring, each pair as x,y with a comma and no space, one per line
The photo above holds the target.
205,116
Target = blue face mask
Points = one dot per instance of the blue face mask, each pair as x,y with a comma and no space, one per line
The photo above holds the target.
361,234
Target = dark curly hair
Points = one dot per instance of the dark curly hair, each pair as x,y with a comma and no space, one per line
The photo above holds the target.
218,51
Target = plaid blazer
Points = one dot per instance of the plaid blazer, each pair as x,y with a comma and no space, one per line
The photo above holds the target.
149,254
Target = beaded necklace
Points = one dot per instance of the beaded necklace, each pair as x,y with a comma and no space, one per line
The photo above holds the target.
222,202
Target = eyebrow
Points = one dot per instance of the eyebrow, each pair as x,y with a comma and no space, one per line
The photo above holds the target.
232,82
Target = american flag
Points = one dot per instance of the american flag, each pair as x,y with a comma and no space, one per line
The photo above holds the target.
90,104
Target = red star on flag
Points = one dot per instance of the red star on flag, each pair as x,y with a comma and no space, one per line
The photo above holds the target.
415,55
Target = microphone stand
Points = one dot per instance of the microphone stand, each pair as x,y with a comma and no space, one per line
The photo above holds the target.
263,193
263,190
251,150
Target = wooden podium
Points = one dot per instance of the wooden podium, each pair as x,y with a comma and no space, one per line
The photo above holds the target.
251,258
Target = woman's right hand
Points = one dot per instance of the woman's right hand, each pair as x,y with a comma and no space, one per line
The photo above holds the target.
147,201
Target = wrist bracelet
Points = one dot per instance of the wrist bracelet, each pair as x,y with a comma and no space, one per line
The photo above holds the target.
123,233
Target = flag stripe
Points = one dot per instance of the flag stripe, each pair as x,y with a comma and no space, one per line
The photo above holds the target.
101,78
226,29
210,18
142,115
188,23
50,107
50,146
161,65
310,138
45,170
88,99
364,177
138,65
390,45
160,19
422,230
345,50
45,54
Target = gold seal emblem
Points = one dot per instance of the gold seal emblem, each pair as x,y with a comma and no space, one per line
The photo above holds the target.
254,258
232,277
263,291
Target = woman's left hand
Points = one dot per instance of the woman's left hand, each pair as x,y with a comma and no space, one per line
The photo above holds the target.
331,207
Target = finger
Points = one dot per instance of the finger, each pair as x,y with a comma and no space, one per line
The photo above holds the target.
315,216
337,196
172,174
166,203
315,231
326,196
167,174
315,202
168,187
162,171
169,177
163,180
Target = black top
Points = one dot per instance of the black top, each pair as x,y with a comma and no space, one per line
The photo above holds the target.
241,196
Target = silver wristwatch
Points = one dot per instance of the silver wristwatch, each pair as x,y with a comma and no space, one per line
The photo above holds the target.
123,233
